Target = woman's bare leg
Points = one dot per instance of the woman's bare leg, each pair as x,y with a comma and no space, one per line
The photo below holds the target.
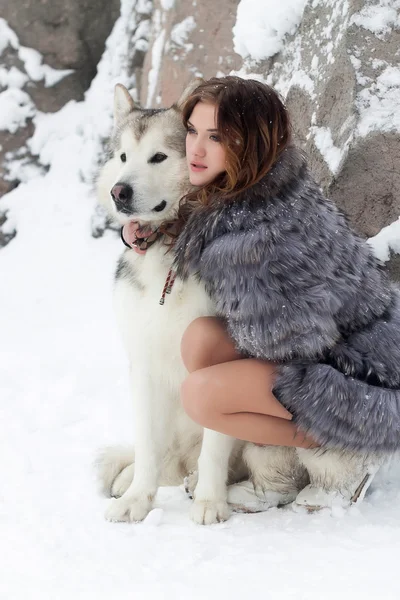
231,394
205,343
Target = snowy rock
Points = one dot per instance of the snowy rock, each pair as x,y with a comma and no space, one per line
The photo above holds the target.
69,35
49,53
340,75
336,62
33,141
31,86
189,39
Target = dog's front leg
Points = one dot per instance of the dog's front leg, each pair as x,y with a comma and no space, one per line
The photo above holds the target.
210,496
150,429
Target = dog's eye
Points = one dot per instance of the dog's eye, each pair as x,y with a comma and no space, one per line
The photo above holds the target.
158,158
123,157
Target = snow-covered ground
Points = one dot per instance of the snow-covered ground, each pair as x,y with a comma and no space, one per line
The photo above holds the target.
64,394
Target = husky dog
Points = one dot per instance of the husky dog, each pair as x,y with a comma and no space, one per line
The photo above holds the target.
143,181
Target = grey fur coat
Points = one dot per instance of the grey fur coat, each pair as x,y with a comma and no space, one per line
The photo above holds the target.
297,286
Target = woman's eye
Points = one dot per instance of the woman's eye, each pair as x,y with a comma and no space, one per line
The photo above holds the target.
215,138
191,130
123,157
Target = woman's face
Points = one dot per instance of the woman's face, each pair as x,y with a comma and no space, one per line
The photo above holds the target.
205,154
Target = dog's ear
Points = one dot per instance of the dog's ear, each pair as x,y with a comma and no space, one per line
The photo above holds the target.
187,91
123,103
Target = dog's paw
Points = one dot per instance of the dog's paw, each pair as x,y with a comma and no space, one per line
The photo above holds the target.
242,497
109,464
122,481
129,508
190,483
207,512
273,498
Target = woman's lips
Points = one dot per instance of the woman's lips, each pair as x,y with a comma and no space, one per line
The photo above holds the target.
196,168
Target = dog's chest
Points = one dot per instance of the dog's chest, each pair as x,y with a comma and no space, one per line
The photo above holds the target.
146,323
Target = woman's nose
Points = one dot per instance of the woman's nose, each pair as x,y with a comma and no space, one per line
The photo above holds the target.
199,149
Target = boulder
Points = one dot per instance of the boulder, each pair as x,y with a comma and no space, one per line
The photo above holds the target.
338,71
69,35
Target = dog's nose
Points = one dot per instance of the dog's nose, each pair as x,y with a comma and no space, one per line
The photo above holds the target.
122,194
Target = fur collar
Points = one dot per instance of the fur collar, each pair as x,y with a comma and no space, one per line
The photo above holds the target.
245,211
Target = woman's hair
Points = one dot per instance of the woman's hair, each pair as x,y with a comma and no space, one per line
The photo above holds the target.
253,126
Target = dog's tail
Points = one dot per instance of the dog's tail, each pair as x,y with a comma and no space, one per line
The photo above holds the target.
109,463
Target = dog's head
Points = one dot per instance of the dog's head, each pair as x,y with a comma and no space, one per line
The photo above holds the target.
147,174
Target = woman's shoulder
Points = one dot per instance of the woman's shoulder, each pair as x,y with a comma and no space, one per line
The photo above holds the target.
286,199
289,170
287,183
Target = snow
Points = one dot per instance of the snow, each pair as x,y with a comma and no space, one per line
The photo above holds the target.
379,18
15,108
167,4
261,27
332,154
12,78
379,103
387,241
156,58
143,7
262,30
181,31
7,37
303,81
64,393
32,59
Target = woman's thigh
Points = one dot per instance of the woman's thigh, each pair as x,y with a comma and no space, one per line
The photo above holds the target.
234,387
206,342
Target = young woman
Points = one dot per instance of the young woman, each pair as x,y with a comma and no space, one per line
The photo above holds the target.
306,348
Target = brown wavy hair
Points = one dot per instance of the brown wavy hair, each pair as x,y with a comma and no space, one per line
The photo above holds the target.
254,128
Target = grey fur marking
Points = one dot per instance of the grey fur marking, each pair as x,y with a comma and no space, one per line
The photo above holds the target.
142,124
125,270
139,122
176,143
297,286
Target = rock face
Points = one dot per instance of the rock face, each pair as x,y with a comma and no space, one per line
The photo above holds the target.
188,40
69,35
339,73
336,64
49,56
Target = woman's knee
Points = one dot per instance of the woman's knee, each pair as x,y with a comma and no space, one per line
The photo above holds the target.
195,398
206,342
196,343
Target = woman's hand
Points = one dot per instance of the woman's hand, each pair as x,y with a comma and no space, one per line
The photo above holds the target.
130,236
